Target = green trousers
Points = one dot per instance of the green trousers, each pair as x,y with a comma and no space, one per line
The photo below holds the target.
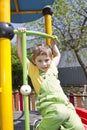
55,108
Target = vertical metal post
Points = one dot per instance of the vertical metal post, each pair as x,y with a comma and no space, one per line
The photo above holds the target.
6,115
48,22
25,81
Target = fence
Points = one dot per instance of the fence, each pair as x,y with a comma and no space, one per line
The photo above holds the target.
17,101
78,100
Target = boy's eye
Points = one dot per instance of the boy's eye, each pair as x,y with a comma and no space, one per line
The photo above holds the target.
46,60
39,60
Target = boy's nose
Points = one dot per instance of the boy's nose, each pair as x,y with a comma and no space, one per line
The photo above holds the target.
44,63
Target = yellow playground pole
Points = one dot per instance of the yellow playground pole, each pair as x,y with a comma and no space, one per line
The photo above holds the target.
47,12
6,115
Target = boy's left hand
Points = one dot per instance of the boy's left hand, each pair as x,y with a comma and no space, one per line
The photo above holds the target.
56,40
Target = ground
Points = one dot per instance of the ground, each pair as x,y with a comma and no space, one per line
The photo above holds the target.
19,119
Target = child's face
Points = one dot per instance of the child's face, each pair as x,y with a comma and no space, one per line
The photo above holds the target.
43,62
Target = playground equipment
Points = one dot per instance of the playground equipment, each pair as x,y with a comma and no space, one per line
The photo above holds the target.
20,14
28,11
25,89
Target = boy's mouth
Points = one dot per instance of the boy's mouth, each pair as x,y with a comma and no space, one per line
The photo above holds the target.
44,68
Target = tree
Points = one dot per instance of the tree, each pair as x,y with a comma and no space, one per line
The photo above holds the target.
16,70
17,78
70,22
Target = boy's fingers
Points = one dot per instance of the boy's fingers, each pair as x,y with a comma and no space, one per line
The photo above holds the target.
55,37
22,29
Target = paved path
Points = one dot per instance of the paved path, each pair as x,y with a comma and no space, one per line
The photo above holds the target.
19,119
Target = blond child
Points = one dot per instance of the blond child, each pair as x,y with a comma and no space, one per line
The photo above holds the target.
57,112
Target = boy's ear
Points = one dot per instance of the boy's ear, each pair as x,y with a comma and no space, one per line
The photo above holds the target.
33,60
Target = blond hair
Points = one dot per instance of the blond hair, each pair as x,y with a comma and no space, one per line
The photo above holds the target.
41,49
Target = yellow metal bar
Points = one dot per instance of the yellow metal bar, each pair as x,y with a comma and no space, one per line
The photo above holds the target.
27,12
4,9
16,5
6,115
0,90
48,26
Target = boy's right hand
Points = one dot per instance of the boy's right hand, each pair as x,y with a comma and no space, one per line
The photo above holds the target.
22,29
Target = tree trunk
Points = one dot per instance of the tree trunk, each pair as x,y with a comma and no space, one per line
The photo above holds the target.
84,67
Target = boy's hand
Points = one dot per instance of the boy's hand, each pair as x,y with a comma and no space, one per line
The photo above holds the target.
22,29
56,40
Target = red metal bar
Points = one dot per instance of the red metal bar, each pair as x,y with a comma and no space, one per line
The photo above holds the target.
21,101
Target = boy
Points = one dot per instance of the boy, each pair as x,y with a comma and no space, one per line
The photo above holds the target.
57,112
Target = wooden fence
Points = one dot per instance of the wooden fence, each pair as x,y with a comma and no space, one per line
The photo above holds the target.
78,100
17,101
